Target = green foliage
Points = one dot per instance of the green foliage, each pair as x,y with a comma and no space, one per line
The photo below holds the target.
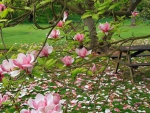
5,82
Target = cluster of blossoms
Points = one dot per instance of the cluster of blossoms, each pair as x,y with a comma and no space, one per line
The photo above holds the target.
55,32
82,53
61,22
14,66
24,62
50,103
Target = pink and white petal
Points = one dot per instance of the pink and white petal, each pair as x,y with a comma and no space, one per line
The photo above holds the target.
34,111
57,32
107,25
39,97
41,104
77,50
25,111
102,27
16,63
50,49
14,73
20,57
72,60
30,103
5,97
7,65
57,107
65,16
49,107
27,65
49,98
32,58
88,52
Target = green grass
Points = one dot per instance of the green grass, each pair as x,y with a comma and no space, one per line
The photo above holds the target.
28,33
23,33
128,31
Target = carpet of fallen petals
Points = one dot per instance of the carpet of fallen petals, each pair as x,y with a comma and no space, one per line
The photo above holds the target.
105,93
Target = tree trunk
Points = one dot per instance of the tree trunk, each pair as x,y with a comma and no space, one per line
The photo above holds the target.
89,22
133,21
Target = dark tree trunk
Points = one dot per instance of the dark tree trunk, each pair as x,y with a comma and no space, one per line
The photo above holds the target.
89,22
133,21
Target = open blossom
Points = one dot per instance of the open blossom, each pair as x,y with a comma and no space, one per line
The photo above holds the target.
83,52
24,61
3,98
60,23
79,37
134,14
54,34
46,50
65,16
67,60
49,103
2,7
7,66
105,27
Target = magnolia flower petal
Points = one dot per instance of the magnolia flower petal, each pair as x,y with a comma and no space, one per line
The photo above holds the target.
89,52
20,57
50,49
65,16
14,73
30,103
39,97
25,111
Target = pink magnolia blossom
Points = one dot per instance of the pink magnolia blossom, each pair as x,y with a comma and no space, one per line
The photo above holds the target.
60,23
46,50
2,7
54,34
65,16
49,103
3,98
134,14
83,52
79,37
67,60
24,61
7,66
105,27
